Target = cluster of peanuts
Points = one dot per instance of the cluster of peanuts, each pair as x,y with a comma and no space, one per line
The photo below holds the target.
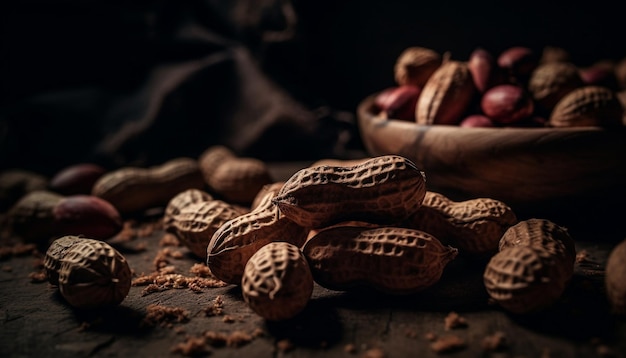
341,224
520,87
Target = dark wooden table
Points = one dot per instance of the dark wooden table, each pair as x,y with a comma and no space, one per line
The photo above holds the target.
36,322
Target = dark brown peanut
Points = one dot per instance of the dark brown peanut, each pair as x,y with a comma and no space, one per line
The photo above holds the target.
32,217
389,259
532,270
475,226
588,106
132,189
277,282
196,223
213,157
237,240
15,183
386,189
93,274
86,215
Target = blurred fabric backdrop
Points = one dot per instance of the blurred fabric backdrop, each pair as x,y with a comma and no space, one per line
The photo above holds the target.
140,82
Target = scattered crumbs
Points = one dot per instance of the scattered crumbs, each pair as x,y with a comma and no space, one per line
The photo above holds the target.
157,282
453,320
127,233
38,277
167,270
7,268
494,342
233,339
350,348
162,257
140,246
582,256
238,338
18,249
179,330
169,239
284,345
374,353
176,254
192,346
228,319
200,270
216,307
163,315
448,343
258,332
430,336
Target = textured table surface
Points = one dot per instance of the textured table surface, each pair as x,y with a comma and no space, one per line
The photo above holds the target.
35,321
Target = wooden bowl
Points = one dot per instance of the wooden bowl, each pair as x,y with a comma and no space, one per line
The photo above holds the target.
566,174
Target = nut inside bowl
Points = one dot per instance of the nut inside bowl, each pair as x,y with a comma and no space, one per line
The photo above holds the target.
564,174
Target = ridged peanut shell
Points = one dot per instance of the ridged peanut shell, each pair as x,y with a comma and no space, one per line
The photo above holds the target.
277,282
615,279
56,251
415,65
446,96
474,226
261,196
388,259
588,106
180,201
32,217
238,180
133,189
386,189
213,157
195,225
15,183
521,280
551,81
238,239
93,274
542,234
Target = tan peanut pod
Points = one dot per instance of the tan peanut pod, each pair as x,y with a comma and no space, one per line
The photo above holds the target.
238,180
237,240
133,189
547,237
389,259
15,183
549,82
384,189
447,95
93,274
180,202
213,157
522,280
587,106
273,188
415,65
195,225
615,279
54,254
551,54
277,283
32,217
474,226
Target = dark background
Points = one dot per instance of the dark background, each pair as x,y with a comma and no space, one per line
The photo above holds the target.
73,74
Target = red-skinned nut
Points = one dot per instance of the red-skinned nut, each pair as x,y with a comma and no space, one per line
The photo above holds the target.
398,102
484,70
519,62
76,179
86,215
506,104
476,120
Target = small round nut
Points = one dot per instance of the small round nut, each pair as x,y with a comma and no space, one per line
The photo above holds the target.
277,282
93,274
